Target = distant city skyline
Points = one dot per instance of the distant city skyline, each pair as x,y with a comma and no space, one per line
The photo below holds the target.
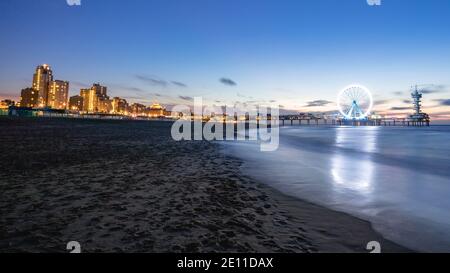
298,54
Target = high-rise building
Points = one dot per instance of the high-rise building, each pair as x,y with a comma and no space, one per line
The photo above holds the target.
58,94
76,103
41,81
120,106
90,100
100,91
96,100
29,97
104,104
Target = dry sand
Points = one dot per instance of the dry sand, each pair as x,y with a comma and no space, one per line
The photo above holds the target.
126,186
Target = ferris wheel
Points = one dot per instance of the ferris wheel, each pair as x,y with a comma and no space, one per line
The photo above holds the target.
355,102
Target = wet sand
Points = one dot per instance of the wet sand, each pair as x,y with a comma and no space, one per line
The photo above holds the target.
126,186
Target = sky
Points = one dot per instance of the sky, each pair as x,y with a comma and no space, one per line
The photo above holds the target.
295,53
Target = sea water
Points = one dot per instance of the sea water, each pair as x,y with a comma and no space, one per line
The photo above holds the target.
398,178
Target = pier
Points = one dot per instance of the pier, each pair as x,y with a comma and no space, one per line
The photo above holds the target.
292,120
355,116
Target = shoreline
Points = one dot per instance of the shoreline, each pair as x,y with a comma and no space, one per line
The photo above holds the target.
345,233
121,186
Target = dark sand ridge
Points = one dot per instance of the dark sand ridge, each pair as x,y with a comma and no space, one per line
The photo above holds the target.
127,186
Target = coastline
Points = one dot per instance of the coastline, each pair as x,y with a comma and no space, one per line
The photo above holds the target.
125,186
332,231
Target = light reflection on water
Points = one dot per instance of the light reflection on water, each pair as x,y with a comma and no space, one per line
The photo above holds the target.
349,173
352,175
397,178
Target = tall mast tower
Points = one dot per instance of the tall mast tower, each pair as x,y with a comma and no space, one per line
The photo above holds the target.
419,117
417,101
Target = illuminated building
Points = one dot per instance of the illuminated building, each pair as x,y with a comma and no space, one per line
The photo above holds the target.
41,81
105,105
76,103
138,109
156,111
100,91
95,99
120,106
29,97
58,94
90,100
5,104
168,113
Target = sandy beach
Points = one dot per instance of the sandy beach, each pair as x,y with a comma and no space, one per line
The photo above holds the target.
126,186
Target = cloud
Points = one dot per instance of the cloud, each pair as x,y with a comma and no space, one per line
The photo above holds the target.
379,102
179,84
243,96
79,84
317,103
124,87
137,89
444,102
228,82
186,98
152,80
407,101
431,89
425,89
400,108
156,81
144,97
